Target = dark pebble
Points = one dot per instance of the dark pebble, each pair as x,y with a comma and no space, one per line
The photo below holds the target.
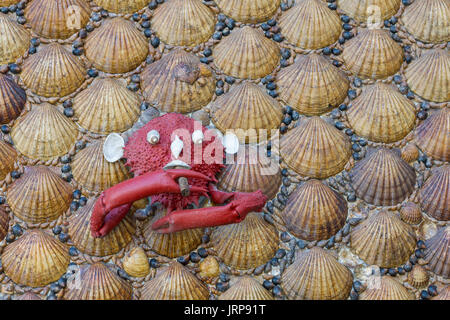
80,145
277,292
346,230
194,257
69,112
21,20
63,237
77,51
52,296
345,18
73,251
9,238
133,86
66,168
401,270
362,142
205,238
268,267
2,200
336,51
15,174
226,32
202,252
413,259
424,295
339,125
421,244
268,284
17,230
354,295
32,50
224,277
152,5
154,263
183,260
57,230
326,51
148,33
222,287
5,129
354,221
276,280
62,282
77,193
301,244
357,286
392,272
272,22
356,147
155,42
278,37
407,267
351,94
356,156
83,201
432,290
219,91
349,132
14,68
398,79
419,253
383,271
280,253
74,206
422,115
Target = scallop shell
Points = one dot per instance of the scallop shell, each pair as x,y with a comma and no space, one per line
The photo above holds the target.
135,263
178,83
373,54
312,85
382,114
175,282
251,172
12,99
57,19
310,25
29,296
437,252
317,275
375,179
4,222
248,244
97,282
410,153
247,53
53,71
122,6
315,149
117,46
183,22
35,259
39,196
6,3
386,288
418,277
366,10
246,288
44,133
432,135
8,157
106,106
113,242
14,40
410,213
429,75
443,295
91,170
246,110
435,194
249,11
172,244
314,211
428,20
383,239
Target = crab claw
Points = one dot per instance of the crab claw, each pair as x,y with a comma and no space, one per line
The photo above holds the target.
233,212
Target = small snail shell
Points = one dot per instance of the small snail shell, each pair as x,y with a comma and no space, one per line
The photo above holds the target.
153,137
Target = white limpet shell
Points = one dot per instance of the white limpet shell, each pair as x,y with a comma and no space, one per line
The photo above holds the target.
177,163
176,147
197,136
231,143
113,147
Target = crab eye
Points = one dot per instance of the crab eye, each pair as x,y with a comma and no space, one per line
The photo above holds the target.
197,137
153,137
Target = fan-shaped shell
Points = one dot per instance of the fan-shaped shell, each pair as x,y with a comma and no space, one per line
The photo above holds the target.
53,71
40,195
97,282
251,172
8,157
410,213
383,239
443,295
6,3
248,244
14,40
383,178
35,259
410,153
312,85
246,288
117,46
91,170
386,288
175,282
29,296
247,53
122,6
183,22
315,149
113,242
57,19
310,25
314,211
136,264
435,194
44,133
12,99
432,135
429,75
249,11
107,106
246,110
317,275
428,20
4,222
382,114
373,54
367,10
418,277
178,83
437,252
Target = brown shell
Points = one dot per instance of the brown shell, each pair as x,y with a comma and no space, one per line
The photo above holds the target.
178,83
245,110
113,242
418,277
386,288
247,244
53,71
381,114
314,211
183,22
12,99
443,295
14,40
361,10
375,179
57,19
35,259
97,282
122,6
410,213
373,54
107,106
249,11
39,196
435,194
317,275
432,135
6,3
29,296
437,252
44,133
175,282
410,153
429,75
4,222
428,20
315,148
135,263
246,53
91,170
251,172
383,239
8,157
310,24
246,288
117,46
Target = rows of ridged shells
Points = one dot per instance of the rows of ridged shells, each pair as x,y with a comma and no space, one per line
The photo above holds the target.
333,217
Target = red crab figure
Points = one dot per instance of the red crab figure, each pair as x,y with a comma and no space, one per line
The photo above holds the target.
154,154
